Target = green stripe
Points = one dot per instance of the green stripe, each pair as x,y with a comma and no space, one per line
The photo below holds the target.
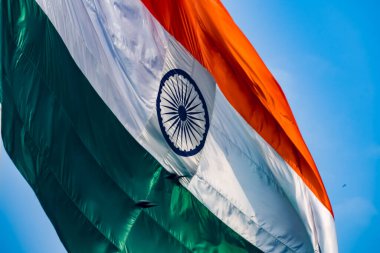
86,169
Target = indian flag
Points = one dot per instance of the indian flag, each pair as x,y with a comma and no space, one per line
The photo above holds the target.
154,126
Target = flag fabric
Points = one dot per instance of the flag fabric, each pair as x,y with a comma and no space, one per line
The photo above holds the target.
154,126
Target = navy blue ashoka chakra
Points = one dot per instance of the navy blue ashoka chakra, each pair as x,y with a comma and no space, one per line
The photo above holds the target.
182,113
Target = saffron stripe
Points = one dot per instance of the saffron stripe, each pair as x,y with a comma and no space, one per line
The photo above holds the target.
208,32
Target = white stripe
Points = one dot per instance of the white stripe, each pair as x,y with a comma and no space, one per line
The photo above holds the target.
124,52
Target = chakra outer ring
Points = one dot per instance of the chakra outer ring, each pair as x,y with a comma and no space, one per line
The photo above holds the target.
201,144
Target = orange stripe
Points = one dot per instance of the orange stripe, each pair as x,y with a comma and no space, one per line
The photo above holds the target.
208,32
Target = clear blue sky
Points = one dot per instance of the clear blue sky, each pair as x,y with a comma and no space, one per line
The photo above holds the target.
325,54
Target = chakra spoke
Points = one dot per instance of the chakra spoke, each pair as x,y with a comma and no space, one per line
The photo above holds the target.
175,122
188,97
170,119
194,118
170,102
189,104
176,87
185,94
169,107
171,97
170,113
183,84
179,130
195,123
184,130
195,106
174,95
181,133
176,128
191,131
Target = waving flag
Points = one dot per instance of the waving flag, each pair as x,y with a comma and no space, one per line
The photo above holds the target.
154,126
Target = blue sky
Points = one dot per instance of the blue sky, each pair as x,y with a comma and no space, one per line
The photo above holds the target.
325,54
